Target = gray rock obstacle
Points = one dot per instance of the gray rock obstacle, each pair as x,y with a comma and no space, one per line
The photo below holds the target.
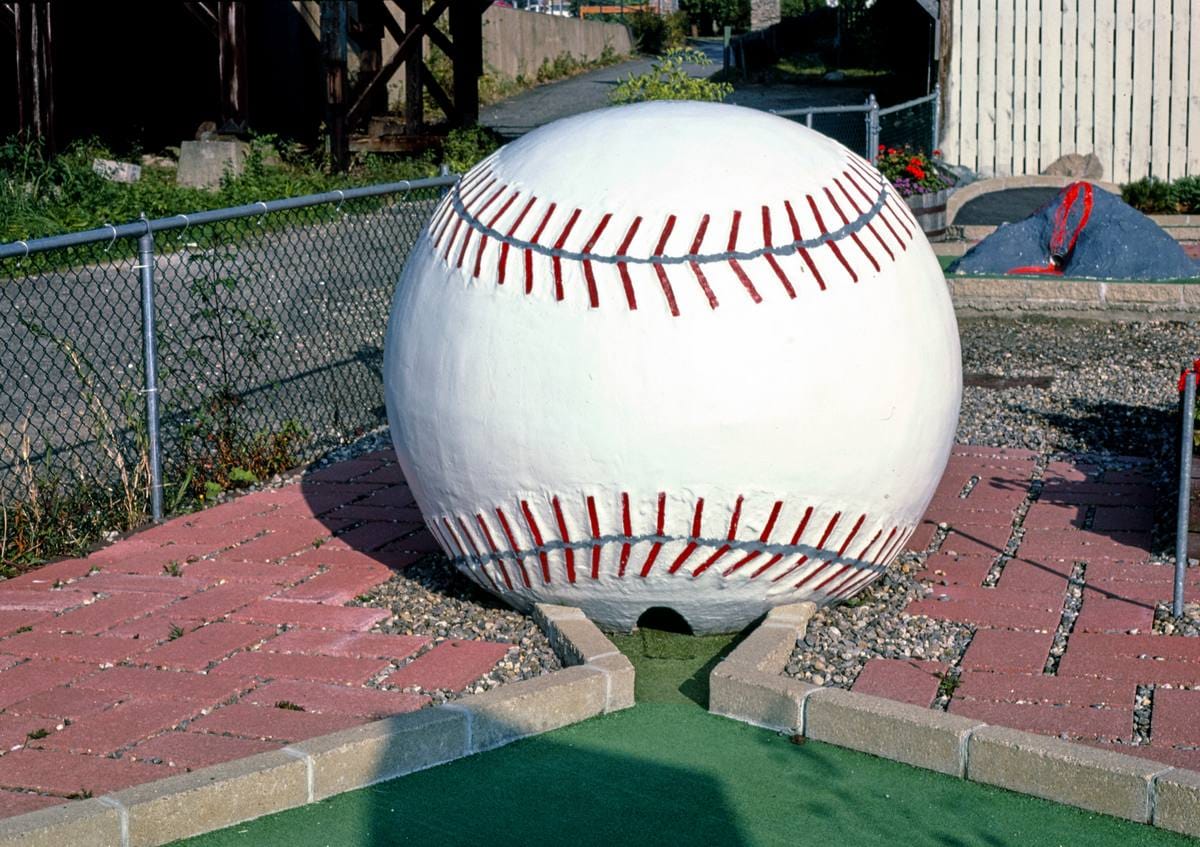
1083,232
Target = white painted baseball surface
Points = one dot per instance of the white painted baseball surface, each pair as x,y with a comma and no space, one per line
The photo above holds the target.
672,354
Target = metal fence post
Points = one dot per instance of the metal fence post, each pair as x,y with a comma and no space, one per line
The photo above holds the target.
146,272
937,116
1185,488
872,128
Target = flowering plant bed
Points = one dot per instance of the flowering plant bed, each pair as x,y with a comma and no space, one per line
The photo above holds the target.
911,171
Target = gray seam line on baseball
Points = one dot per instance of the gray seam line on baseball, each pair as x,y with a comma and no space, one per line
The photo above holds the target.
756,546
851,228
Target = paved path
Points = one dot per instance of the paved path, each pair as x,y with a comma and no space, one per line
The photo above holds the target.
1087,532
520,114
216,636
192,643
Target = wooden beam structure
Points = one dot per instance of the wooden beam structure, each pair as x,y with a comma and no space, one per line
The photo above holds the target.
225,22
30,25
231,60
413,27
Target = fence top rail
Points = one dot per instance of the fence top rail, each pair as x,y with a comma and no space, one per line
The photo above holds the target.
908,104
142,227
821,110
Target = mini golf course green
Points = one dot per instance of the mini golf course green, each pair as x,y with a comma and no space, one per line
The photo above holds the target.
667,772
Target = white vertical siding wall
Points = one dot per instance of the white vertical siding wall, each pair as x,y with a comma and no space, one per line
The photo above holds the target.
1031,80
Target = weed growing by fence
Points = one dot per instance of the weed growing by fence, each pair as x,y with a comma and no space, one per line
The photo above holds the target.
668,79
42,195
220,346
270,335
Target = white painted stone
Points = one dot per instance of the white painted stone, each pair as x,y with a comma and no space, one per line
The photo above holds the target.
724,445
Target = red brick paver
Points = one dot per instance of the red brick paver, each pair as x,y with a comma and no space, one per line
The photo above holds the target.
55,772
272,723
906,680
1090,524
451,665
216,636
337,699
191,750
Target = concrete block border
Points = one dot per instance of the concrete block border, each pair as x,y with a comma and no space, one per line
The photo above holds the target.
597,680
750,686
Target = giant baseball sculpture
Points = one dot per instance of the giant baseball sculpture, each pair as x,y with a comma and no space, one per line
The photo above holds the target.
672,354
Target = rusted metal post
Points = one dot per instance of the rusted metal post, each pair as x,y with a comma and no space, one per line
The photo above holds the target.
1185,488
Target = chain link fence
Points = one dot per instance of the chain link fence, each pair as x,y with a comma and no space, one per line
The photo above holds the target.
862,128
269,322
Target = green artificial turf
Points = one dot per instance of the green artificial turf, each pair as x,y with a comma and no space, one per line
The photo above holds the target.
667,772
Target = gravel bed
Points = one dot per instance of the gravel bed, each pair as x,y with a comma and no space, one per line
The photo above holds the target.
1112,385
1110,394
432,598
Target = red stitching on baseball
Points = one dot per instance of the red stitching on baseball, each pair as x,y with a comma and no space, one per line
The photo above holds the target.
732,536
593,296
691,547
787,204
627,526
562,532
537,540
662,513
622,269
853,235
483,240
766,534
795,540
733,263
512,542
841,551
534,240
700,278
661,270
467,241
504,244
595,522
830,243
766,224
558,286
487,534
820,546
870,226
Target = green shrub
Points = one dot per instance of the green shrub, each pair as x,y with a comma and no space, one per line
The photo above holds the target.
797,8
649,31
669,80
1185,192
465,147
1149,195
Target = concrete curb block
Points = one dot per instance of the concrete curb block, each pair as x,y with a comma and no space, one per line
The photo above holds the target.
598,680
1073,297
749,686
